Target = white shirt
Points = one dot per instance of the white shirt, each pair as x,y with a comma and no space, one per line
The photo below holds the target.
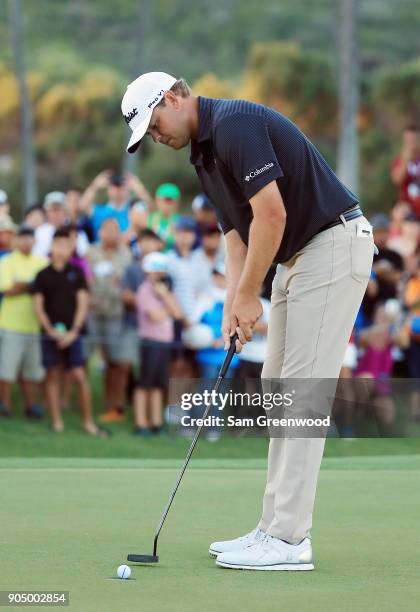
191,277
43,238
256,350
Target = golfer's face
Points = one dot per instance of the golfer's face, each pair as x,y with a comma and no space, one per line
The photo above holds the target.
168,127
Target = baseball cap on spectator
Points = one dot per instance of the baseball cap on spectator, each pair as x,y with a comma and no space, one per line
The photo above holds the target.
140,98
380,221
186,224
201,201
25,230
169,191
155,262
7,225
3,197
55,198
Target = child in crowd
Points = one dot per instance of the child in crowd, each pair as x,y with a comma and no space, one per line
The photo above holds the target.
157,309
376,364
61,305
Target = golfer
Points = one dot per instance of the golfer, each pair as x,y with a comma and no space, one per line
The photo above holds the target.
278,202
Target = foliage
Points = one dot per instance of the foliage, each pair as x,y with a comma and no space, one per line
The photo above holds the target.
80,55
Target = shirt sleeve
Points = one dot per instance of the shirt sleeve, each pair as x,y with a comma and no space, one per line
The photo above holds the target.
243,143
38,284
6,277
223,221
81,283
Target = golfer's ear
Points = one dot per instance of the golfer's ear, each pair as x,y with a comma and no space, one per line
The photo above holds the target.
171,98
268,202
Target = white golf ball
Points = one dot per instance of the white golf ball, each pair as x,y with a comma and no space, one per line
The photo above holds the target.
124,572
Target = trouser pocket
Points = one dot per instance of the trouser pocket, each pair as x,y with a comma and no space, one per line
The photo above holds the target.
362,249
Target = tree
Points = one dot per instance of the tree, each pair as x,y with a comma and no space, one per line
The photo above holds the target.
348,143
130,159
296,82
29,164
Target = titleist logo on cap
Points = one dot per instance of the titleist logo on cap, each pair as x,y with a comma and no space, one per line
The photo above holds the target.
129,116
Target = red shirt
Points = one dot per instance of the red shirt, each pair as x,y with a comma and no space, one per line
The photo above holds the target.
409,190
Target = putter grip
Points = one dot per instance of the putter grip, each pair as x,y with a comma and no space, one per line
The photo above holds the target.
229,356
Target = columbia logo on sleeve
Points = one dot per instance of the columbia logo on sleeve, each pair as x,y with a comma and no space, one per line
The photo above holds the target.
254,173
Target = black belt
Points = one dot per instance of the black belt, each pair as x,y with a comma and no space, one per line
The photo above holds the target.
349,214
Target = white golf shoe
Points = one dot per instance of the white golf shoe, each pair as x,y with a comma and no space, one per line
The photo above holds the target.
270,553
238,544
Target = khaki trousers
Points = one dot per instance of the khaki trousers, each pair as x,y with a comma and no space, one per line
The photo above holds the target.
315,299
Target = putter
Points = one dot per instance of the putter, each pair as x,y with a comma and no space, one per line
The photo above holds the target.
154,558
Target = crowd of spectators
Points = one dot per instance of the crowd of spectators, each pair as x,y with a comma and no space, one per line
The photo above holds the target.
131,282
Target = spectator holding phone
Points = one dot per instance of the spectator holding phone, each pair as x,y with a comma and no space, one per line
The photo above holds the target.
117,206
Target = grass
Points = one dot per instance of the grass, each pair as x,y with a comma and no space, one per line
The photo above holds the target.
75,506
71,522
23,438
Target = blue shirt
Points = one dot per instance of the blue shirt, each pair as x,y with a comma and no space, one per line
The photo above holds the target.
215,356
108,211
241,147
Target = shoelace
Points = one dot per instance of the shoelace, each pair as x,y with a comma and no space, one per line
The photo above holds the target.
266,540
248,535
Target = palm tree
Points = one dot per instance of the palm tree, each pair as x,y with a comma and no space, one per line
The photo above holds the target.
130,160
348,146
29,165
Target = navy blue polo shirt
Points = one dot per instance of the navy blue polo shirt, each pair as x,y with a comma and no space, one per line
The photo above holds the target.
241,147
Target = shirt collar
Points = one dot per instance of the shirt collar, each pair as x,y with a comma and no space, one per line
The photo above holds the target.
205,106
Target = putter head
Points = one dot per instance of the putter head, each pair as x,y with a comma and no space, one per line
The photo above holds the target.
143,558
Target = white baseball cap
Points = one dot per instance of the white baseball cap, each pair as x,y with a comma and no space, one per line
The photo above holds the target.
155,262
54,198
140,99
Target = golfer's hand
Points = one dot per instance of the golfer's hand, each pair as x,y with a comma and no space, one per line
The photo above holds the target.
228,331
245,312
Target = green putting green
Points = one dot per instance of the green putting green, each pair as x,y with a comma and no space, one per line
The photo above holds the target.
68,524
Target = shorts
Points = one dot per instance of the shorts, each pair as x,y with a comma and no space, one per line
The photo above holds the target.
155,358
70,357
20,355
117,341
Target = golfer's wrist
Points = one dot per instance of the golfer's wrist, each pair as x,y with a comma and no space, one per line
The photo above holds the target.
246,292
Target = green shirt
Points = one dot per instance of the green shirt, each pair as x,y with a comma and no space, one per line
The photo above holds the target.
163,226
